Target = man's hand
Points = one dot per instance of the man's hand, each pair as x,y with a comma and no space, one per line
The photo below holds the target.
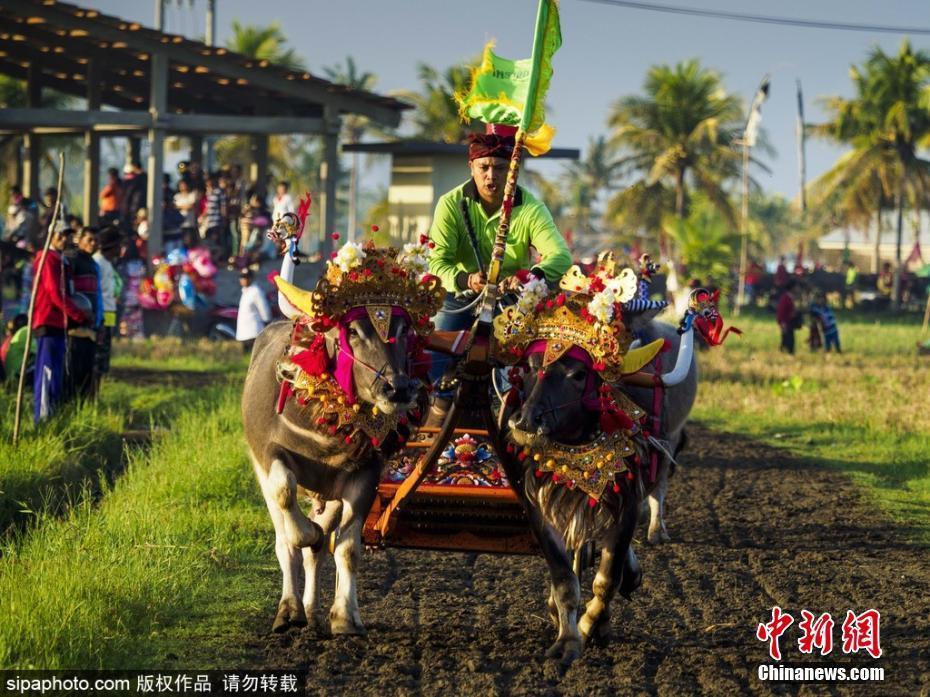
511,284
477,281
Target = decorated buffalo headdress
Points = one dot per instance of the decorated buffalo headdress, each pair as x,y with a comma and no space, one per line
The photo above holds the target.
359,280
587,313
376,279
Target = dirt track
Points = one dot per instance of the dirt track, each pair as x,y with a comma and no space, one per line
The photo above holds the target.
751,528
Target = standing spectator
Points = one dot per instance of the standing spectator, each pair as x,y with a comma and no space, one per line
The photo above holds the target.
237,191
135,185
781,274
141,239
195,176
254,312
256,219
849,286
110,197
52,307
884,284
824,317
787,317
22,223
111,286
45,219
283,202
82,339
186,200
213,220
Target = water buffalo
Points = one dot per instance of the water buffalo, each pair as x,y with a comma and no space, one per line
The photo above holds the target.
291,457
555,408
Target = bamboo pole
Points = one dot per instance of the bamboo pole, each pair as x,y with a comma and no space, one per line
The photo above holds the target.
32,299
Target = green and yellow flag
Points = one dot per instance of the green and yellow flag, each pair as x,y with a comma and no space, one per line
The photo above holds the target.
513,92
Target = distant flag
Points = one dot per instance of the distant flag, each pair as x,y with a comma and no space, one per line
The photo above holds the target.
802,163
513,92
755,113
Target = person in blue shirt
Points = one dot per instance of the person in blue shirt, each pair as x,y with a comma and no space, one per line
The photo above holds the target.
823,315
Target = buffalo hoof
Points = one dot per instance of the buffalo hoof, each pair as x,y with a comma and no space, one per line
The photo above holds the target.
341,624
318,622
599,631
658,536
566,651
290,614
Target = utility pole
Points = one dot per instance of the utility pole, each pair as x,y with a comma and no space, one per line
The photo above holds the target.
209,40
160,15
744,225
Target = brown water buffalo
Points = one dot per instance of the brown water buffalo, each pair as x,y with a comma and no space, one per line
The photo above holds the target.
292,458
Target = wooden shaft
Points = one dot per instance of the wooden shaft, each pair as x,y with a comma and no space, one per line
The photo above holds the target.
510,191
32,300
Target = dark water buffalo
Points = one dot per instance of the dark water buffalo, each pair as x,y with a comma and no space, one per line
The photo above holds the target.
292,458
552,410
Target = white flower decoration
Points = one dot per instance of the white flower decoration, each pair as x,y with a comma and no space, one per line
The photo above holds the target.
534,291
602,305
349,256
414,258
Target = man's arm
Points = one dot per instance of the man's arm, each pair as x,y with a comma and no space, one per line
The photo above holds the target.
444,234
545,236
50,285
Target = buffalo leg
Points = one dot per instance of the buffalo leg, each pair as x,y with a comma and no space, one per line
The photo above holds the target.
313,564
618,568
357,497
290,612
657,532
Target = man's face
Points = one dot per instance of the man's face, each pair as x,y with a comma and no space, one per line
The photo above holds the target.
489,174
87,243
58,241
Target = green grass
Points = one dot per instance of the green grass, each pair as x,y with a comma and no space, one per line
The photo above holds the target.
128,583
864,412
51,463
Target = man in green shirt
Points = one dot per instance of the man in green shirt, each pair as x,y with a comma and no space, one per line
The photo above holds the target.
461,261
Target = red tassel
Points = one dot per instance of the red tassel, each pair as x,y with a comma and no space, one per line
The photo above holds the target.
592,502
629,475
616,488
348,440
538,474
314,360
375,442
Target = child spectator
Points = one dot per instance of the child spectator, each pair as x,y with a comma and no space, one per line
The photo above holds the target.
254,312
111,286
786,315
110,197
14,344
823,316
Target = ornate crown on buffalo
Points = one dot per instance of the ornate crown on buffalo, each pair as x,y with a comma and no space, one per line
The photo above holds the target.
377,278
587,313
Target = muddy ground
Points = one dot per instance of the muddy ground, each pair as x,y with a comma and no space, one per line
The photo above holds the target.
752,527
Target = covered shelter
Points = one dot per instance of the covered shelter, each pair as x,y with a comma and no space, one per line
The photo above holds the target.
421,172
143,83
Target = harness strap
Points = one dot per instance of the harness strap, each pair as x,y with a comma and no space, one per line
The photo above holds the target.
657,394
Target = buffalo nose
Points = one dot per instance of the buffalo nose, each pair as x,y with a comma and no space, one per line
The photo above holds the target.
398,389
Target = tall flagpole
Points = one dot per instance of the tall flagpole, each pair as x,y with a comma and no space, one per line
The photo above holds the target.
802,161
510,186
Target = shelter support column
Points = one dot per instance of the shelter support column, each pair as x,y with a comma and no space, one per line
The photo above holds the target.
196,151
158,102
329,176
258,167
92,149
32,150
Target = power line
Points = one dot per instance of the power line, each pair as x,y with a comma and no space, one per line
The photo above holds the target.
762,19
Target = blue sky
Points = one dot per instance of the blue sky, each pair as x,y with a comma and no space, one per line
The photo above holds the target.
605,53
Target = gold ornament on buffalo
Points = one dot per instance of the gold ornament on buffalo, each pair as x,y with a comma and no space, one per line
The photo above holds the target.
375,278
588,313
590,467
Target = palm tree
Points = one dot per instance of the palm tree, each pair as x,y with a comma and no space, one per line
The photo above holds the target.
437,114
589,177
353,128
887,122
265,43
706,242
680,134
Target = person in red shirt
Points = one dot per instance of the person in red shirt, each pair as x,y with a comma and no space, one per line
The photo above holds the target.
52,311
786,315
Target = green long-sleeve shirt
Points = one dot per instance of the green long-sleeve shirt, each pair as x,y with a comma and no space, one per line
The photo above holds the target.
531,225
